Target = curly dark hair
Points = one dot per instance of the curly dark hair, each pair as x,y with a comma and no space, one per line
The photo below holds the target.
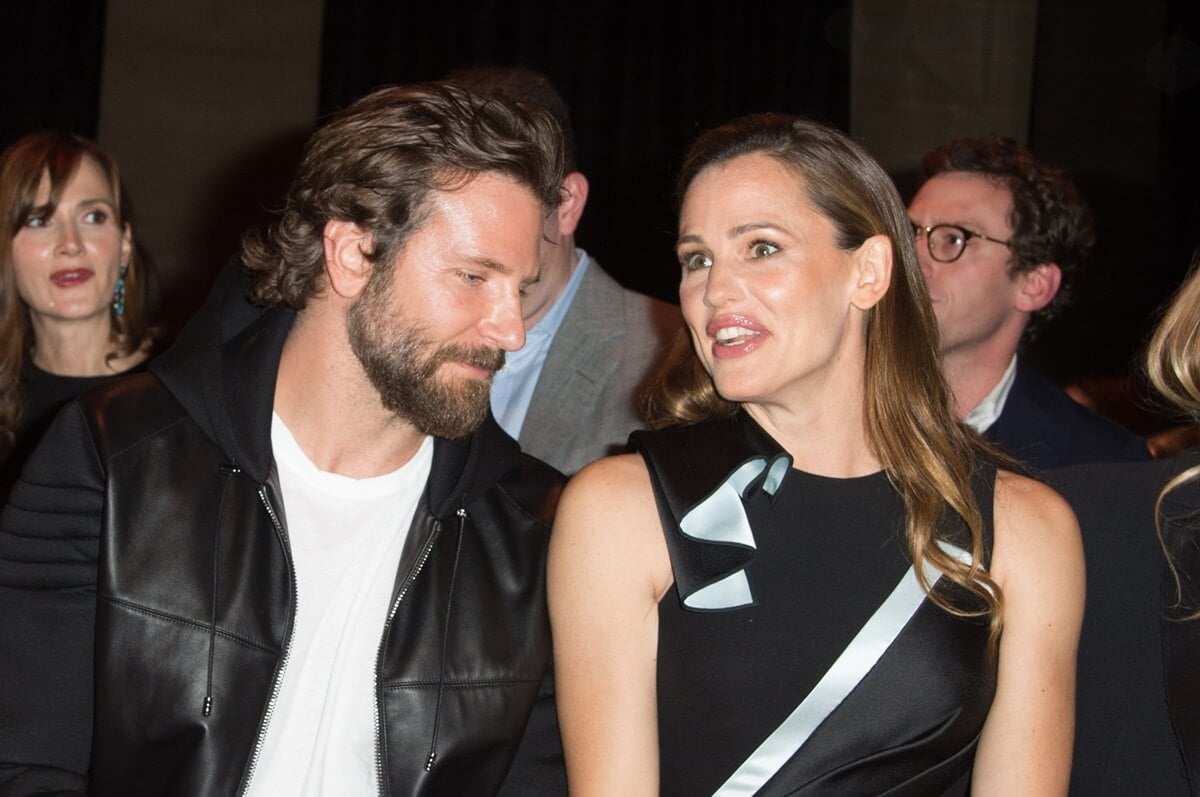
1050,219
375,164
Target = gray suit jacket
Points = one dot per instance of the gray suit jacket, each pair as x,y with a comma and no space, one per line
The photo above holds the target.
608,346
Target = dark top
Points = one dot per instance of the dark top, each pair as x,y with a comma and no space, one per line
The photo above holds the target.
827,553
1137,700
45,394
1045,428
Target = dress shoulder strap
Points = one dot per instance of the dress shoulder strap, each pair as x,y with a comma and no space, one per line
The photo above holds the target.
702,475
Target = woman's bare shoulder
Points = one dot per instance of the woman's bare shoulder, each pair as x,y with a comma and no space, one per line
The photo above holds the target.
608,513
1036,533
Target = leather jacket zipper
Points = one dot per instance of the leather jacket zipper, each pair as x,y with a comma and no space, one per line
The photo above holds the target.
404,589
277,683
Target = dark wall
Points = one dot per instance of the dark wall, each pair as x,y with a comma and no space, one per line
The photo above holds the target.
642,79
1117,103
51,60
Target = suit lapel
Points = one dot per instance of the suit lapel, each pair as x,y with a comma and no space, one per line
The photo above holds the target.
583,354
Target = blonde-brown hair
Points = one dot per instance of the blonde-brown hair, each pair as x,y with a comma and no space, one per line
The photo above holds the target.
928,455
1172,363
56,156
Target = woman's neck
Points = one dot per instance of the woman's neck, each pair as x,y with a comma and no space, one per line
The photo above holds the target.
77,348
829,440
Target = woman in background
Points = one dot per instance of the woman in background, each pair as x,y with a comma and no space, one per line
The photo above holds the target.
736,608
1138,708
72,293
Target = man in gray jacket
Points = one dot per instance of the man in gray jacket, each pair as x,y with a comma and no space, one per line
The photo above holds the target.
570,395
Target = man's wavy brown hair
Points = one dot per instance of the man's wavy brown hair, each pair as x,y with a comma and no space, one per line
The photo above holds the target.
376,162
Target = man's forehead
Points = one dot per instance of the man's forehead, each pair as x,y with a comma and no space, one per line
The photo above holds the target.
486,218
972,193
970,183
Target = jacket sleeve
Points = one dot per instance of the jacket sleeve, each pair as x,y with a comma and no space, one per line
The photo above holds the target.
49,541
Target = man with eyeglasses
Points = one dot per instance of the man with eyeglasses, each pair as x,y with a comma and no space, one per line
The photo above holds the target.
999,238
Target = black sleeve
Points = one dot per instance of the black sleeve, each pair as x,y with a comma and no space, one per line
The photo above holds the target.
539,769
49,540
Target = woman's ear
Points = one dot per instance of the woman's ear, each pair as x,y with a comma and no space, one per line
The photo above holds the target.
126,246
872,263
346,263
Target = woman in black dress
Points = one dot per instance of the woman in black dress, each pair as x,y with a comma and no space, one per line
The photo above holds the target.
1138,709
72,292
736,608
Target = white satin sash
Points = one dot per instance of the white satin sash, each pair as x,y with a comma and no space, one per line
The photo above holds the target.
867,647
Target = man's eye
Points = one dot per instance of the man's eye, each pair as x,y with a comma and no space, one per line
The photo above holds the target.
763,249
469,278
694,261
952,237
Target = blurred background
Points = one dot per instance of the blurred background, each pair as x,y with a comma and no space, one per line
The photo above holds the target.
206,105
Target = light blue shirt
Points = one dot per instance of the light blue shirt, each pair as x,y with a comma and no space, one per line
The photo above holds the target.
512,386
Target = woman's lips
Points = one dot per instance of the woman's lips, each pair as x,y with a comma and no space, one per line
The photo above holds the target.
70,277
734,335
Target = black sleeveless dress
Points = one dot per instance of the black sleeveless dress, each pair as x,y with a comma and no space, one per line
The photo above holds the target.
796,653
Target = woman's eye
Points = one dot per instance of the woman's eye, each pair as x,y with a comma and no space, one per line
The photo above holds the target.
694,261
763,249
95,217
35,222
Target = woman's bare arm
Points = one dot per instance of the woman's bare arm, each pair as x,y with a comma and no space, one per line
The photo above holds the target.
1038,562
608,568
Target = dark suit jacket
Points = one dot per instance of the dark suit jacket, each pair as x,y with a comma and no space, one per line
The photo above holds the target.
1045,429
1137,727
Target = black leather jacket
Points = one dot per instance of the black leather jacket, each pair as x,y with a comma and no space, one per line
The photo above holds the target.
152,514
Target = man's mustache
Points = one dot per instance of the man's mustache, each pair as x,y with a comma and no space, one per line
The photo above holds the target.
480,356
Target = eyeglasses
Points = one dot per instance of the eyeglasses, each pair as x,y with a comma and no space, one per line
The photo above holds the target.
947,242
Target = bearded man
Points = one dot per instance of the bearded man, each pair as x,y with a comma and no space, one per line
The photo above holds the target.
298,555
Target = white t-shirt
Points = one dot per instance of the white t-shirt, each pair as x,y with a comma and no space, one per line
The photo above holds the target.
346,536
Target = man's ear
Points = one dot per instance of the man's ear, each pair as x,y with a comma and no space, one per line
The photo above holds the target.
346,263
575,194
1037,287
872,263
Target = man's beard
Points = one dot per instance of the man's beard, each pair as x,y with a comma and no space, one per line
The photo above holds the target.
402,364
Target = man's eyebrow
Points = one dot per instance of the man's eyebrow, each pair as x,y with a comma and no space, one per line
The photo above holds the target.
525,283
500,268
492,265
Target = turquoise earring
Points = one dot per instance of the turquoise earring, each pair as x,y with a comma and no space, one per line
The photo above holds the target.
118,303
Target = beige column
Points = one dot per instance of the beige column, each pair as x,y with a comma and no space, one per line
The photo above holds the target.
200,100
925,71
